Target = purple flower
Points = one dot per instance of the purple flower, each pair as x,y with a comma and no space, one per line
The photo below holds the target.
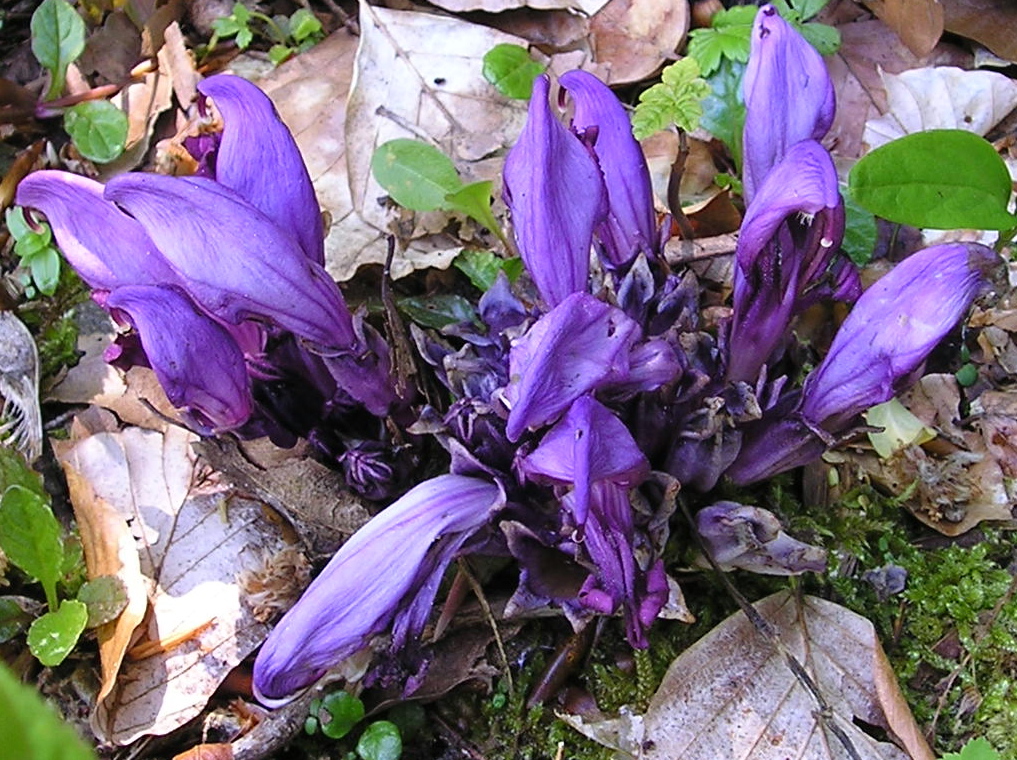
788,96
555,191
876,353
787,251
386,575
630,227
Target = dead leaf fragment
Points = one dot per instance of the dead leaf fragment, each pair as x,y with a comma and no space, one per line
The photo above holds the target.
207,752
919,23
634,38
584,7
990,22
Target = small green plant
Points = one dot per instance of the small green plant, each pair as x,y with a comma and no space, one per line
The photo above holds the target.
727,38
33,244
35,542
511,70
31,730
336,714
824,38
976,749
676,99
289,34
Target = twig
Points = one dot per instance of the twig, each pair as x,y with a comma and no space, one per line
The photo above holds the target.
275,731
674,183
464,568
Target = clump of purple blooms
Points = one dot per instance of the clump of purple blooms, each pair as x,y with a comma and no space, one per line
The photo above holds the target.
568,414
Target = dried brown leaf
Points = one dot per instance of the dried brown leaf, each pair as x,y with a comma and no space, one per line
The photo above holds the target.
632,39
584,7
990,22
207,752
919,23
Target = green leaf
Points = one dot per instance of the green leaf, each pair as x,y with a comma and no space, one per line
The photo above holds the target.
31,537
418,176
511,70
13,619
279,53
380,741
46,271
723,108
860,231
942,179
823,37
676,99
809,8
31,729
338,713
728,37
105,598
58,38
98,129
437,311
474,200
52,636
976,749
304,25
14,471
244,38
482,268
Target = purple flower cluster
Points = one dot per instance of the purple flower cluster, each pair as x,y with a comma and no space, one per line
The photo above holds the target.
565,412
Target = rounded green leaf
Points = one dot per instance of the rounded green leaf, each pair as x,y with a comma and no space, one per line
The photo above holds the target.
31,537
338,713
439,310
105,597
511,70
52,636
418,176
45,268
380,741
58,38
98,129
941,179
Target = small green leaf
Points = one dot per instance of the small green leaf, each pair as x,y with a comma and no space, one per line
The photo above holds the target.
31,729
338,713
14,471
46,271
418,176
511,70
474,200
976,749
809,8
304,25
823,37
438,311
52,636
900,428
244,38
482,268
105,597
380,741
676,99
728,37
967,375
31,537
942,179
98,129
13,619
58,38
724,109
860,231
279,53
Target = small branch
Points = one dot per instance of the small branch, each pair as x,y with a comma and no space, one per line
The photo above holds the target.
674,183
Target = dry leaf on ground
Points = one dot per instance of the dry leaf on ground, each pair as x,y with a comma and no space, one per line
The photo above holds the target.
990,22
584,7
733,696
632,39
943,97
919,23
194,539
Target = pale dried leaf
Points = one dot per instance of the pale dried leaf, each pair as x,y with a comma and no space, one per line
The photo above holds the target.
194,537
207,752
733,696
178,62
919,23
632,39
110,549
941,97
584,7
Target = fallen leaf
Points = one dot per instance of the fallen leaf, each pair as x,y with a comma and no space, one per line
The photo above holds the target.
555,30
194,537
732,695
634,38
919,23
990,22
943,97
207,752
585,7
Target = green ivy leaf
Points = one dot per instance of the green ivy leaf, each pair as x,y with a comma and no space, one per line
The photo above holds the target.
724,109
907,181
32,730
342,711
860,231
58,38
98,129
45,269
482,268
676,99
31,537
418,176
728,38
53,635
438,311
511,70
105,598
380,741
976,749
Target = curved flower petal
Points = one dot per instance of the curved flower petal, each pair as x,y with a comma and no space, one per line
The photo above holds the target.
260,161
236,263
630,226
374,575
891,330
577,347
106,247
788,96
197,362
555,192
